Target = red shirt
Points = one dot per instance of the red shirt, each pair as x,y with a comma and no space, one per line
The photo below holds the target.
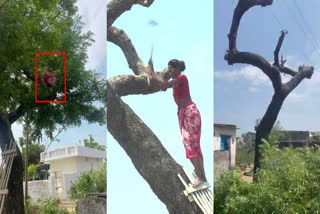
181,90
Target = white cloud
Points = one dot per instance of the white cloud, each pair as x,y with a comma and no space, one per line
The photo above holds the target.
94,16
253,89
247,73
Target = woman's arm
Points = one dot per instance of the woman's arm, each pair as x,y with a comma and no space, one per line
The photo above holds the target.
163,84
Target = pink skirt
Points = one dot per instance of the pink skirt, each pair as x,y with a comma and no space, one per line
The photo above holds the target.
190,128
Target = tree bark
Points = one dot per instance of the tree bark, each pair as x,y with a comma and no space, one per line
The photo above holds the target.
148,155
14,200
281,91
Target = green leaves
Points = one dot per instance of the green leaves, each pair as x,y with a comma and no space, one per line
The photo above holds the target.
289,182
91,181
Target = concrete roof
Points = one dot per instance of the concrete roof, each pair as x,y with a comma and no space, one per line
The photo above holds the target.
71,151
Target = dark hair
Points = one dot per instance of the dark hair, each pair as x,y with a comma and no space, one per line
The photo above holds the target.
177,64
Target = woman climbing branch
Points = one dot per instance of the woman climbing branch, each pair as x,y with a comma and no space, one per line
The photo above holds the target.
188,115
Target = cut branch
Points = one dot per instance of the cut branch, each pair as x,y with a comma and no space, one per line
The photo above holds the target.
147,154
286,70
257,61
242,7
276,51
304,72
120,38
116,7
124,85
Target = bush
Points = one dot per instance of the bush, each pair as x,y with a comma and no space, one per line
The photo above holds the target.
50,206
288,182
91,181
30,208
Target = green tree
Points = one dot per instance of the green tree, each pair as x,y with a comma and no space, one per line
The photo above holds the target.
27,27
91,143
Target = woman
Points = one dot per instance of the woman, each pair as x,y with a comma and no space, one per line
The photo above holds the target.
188,115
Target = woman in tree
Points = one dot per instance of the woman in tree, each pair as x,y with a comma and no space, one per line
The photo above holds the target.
47,78
188,115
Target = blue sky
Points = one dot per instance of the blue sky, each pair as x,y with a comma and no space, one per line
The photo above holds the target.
185,32
93,15
242,92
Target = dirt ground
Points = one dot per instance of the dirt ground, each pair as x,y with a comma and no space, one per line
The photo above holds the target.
246,170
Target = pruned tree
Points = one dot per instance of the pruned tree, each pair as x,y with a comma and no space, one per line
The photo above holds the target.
32,26
145,150
273,71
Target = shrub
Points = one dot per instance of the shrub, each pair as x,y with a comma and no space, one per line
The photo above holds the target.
91,181
288,182
50,206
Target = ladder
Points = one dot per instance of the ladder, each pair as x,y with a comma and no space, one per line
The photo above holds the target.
7,156
201,195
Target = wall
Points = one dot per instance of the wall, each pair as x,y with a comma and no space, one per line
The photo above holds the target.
66,166
221,163
38,190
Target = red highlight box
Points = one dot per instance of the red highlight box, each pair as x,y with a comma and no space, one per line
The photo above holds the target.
65,79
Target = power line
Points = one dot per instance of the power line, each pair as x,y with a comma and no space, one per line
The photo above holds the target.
306,23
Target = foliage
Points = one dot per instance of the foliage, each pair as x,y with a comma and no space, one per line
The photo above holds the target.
32,172
31,26
244,155
29,208
50,206
34,151
288,182
91,181
90,143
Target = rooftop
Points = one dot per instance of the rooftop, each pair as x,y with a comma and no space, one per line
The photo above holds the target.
71,151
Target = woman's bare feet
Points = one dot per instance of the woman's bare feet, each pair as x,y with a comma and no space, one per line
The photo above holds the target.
197,182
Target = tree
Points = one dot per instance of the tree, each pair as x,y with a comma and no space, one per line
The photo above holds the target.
90,143
156,165
273,71
34,26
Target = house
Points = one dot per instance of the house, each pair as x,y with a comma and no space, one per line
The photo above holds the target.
224,147
66,165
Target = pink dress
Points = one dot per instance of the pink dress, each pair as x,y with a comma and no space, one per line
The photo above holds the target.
189,119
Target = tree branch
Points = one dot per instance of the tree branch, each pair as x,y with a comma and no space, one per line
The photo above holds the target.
15,115
276,51
4,4
256,60
286,70
28,74
304,72
120,38
116,7
124,85
242,7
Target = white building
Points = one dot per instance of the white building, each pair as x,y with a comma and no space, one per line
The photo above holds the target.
66,165
224,141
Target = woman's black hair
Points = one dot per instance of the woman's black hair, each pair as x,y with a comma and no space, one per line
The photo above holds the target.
177,64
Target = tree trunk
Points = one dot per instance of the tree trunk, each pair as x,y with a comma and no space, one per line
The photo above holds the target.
265,126
26,163
13,203
148,155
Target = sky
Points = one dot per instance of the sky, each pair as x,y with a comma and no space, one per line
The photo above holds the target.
184,32
242,92
93,15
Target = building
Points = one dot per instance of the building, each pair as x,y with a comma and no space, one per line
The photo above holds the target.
224,147
66,165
